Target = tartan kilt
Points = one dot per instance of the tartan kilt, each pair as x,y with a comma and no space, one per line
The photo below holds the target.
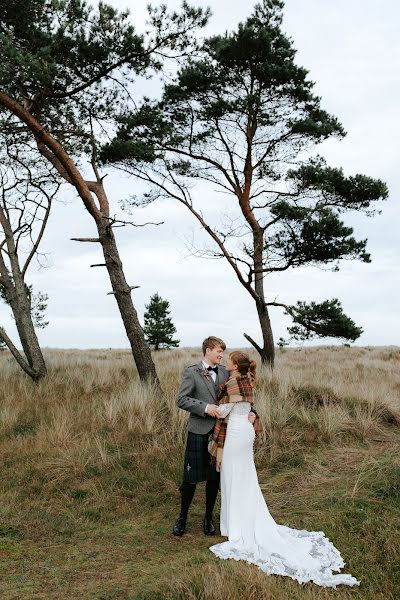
196,466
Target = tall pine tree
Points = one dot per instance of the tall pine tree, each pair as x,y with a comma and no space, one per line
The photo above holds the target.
158,326
243,116
66,70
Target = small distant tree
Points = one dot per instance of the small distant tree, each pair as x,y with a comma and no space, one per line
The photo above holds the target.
158,326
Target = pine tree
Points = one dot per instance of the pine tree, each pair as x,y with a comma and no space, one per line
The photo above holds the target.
158,326
244,117
66,70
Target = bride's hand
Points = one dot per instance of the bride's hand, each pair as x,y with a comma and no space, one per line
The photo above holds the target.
212,411
252,417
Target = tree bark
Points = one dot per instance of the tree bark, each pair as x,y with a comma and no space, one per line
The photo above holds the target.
18,297
122,292
267,352
21,308
16,354
54,152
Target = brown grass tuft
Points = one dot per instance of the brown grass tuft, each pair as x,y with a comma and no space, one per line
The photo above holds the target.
91,461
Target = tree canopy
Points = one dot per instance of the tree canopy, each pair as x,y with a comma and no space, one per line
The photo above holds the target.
244,117
66,72
67,62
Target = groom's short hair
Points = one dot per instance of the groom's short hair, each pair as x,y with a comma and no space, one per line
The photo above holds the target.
211,342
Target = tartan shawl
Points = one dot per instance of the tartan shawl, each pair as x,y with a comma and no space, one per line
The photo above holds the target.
236,389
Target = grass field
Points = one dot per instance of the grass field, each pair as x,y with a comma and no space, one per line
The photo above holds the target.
91,461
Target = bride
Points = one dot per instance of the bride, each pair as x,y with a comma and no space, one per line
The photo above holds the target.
252,533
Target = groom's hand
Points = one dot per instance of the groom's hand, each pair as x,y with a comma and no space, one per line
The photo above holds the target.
252,417
212,410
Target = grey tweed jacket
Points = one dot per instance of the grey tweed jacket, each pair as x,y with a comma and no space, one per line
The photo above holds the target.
196,391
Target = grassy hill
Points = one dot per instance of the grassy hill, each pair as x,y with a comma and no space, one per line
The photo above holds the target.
91,462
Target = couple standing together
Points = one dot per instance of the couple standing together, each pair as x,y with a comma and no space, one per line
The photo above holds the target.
222,427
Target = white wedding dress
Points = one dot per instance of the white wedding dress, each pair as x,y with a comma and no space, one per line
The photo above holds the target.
252,533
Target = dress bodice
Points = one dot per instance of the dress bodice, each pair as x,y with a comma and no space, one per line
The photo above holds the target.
241,408
235,408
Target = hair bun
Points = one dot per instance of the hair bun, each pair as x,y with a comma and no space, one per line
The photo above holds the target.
252,373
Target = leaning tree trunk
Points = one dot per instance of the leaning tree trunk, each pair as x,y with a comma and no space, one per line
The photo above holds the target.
17,297
54,152
122,292
267,351
21,308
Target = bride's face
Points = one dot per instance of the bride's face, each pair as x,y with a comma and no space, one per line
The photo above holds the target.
230,365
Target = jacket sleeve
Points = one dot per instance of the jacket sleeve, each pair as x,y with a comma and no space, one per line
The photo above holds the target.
185,396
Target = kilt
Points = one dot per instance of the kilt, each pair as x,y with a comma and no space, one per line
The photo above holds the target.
196,466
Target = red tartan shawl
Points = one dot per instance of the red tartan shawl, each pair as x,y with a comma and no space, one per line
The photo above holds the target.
236,389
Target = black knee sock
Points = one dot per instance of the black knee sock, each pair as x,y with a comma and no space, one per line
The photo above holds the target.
212,488
187,492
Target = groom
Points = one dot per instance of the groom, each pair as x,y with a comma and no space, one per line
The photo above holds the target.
198,394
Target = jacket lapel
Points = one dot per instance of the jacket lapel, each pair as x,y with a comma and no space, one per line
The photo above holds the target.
207,381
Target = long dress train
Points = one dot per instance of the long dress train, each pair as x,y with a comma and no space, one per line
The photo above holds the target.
252,533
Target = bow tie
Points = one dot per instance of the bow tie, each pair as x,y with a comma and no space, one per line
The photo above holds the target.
215,369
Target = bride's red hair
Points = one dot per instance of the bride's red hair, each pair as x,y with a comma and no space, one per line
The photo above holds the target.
245,365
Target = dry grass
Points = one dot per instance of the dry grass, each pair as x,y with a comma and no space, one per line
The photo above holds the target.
91,460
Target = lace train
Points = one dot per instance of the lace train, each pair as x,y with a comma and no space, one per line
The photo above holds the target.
329,559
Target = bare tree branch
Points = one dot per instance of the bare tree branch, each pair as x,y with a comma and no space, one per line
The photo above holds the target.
16,354
85,239
127,291
252,342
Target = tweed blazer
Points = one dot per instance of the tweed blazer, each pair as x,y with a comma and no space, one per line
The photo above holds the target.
195,392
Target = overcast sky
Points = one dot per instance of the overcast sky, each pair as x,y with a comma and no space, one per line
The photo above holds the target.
352,51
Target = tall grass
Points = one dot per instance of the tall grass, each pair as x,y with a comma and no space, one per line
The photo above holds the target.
89,447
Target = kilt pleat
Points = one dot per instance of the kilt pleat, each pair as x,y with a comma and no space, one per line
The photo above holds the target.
196,466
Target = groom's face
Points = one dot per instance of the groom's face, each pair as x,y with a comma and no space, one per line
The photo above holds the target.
214,356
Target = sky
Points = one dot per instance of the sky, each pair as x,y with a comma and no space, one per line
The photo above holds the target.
351,49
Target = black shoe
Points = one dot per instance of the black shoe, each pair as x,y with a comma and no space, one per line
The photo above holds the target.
179,527
208,526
